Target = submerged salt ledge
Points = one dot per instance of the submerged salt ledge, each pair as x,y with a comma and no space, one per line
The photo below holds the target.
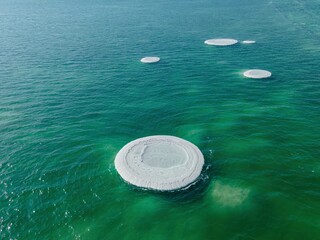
229,196
221,41
159,162
150,59
257,73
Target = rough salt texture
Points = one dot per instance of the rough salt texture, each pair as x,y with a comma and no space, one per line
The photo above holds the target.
257,73
159,162
248,41
150,60
221,42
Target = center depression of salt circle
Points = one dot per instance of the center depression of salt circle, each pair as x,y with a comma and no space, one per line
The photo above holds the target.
159,162
221,41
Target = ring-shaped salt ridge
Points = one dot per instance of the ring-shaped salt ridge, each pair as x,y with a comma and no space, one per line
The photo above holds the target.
221,42
150,60
248,42
159,162
257,73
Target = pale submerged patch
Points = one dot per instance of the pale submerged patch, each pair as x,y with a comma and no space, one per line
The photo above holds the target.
229,196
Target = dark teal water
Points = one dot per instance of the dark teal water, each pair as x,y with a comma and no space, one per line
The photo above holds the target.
73,92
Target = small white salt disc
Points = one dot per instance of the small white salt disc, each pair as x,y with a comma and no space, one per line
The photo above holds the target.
221,42
159,162
248,41
257,73
150,59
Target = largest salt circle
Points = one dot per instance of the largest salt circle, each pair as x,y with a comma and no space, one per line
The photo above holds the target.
159,162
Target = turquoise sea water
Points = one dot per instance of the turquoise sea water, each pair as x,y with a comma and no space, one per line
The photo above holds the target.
73,92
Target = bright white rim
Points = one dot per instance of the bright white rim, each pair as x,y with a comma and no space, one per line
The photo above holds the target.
150,59
257,73
132,168
221,42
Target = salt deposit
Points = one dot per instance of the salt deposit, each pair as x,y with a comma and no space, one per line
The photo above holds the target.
221,42
159,162
150,60
257,73
248,41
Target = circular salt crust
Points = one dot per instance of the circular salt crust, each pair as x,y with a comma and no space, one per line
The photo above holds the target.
150,60
159,162
257,73
221,42
248,41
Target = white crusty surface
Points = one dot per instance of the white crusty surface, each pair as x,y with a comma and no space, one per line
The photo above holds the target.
159,162
257,73
221,41
150,59
248,41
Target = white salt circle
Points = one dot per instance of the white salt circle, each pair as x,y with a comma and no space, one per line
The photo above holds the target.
221,42
150,60
257,73
248,41
159,162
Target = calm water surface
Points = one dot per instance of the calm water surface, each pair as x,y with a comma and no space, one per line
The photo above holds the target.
73,92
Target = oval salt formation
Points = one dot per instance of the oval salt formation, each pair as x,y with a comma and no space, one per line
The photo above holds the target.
257,73
150,60
221,41
248,41
159,162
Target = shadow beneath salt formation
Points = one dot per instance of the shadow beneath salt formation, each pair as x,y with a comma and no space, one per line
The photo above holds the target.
191,193
198,189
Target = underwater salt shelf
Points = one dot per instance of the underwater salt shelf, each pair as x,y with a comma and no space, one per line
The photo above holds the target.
159,162
228,195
